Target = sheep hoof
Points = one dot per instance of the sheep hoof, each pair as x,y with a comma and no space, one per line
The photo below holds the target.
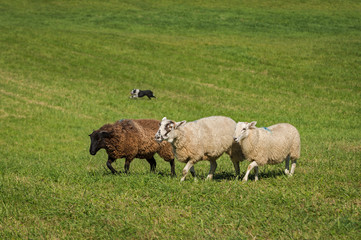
209,178
288,173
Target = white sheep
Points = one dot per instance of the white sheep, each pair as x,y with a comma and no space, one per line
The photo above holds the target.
203,139
271,145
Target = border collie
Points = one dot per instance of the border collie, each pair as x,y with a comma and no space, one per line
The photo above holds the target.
136,93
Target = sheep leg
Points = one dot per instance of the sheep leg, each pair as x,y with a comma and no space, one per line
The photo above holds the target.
193,172
236,167
127,164
188,166
256,173
109,165
172,167
152,163
250,167
293,166
212,169
287,165
236,157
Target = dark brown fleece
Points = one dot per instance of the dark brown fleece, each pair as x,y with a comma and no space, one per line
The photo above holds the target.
134,138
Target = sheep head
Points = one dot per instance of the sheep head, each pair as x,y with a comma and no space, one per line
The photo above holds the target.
97,140
242,130
166,128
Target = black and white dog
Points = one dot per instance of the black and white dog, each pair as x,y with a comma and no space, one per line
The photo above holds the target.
136,93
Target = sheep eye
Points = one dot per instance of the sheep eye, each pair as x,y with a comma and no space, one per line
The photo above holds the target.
244,129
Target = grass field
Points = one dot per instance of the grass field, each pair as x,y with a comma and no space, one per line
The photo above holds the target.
67,67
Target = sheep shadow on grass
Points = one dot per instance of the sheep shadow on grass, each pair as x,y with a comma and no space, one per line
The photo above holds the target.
224,175
106,172
265,174
261,175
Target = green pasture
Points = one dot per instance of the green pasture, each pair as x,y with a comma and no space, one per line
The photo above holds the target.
67,67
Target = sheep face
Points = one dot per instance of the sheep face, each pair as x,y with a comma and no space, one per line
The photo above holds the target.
242,130
166,128
97,141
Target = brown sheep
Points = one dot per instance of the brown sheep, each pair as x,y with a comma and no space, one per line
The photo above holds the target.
129,139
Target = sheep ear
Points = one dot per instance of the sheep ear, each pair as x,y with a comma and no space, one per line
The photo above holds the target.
92,133
252,125
178,124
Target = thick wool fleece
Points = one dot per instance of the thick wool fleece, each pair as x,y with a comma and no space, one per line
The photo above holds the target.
271,146
204,139
134,138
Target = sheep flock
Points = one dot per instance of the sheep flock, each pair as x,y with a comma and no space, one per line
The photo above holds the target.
203,139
